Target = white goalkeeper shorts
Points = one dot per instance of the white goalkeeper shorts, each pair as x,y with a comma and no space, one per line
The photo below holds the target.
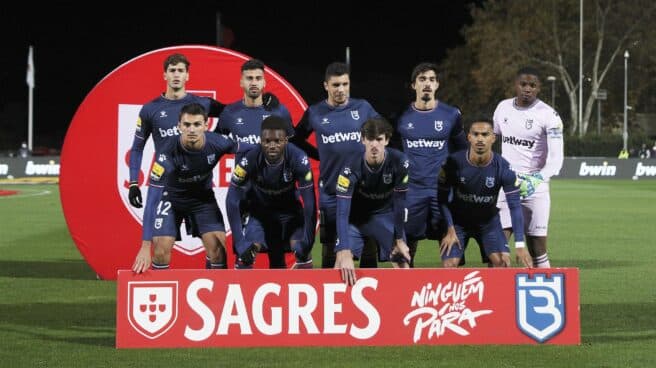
535,208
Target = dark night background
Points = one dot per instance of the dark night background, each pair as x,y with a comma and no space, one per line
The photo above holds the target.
75,47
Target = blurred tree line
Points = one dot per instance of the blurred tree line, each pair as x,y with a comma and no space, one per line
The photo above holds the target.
505,35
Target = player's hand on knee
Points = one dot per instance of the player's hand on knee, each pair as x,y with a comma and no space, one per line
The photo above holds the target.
448,241
134,195
400,256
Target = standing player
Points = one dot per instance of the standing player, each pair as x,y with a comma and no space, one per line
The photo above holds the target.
278,220
532,141
429,129
159,117
181,185
371,201
241,120
336,122
473,179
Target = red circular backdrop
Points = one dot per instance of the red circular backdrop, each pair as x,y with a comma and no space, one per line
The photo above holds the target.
94,161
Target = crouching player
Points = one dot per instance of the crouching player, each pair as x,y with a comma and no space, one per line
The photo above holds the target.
278,222
371,201
181,179
474,177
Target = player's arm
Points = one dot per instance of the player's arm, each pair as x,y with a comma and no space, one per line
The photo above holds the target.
141,134
511,189
306,188
443,191
458,138
401,253
343,253
301,133
555,147
236,194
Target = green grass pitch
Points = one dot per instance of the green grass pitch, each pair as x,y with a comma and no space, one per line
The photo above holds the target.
54,313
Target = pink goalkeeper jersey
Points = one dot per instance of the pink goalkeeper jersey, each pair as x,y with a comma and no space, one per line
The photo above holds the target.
531,137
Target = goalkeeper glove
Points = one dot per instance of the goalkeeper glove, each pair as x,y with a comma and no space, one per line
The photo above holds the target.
135,195
270,101
528,183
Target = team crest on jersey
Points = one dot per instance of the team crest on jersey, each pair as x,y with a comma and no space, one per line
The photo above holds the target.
406,164
489,181
287,175
343,183
243,162
387,178
304,161
211,158
355,114
439,125
153,307
528,124
157,171
162,157
540,305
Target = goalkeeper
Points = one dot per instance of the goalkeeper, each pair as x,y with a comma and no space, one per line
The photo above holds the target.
532,141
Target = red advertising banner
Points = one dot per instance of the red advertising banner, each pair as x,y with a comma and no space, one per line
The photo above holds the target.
223,308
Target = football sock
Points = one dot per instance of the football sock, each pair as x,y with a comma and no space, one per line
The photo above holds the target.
541,261
160,266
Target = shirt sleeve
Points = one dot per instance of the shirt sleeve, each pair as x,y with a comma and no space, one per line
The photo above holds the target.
346,182
555,148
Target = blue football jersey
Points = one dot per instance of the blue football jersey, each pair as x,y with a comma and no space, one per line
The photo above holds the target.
181,171
159,118
274,186
427,138
474,188
370,190
244,123
337,132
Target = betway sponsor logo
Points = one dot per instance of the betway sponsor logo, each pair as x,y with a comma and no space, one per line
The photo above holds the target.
371,195
519,142
340,137
264,309
645,170
250,139
51,168
424,143
475,198
597,170
170,132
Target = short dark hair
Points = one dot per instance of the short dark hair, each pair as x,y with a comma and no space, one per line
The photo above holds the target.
528,70
273,122
422,68
374,127
193,108
335,69
478,119
174,59
252,64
